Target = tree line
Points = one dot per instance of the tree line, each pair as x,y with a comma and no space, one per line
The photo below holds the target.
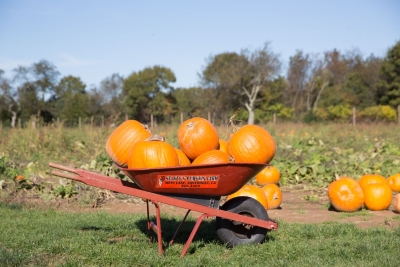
316,87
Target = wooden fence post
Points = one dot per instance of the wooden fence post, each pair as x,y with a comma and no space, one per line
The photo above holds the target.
181,117
354,116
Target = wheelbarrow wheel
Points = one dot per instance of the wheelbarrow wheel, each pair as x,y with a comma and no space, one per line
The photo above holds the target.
234,233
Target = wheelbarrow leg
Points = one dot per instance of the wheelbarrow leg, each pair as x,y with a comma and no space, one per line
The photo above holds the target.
179,227
193,233
156,227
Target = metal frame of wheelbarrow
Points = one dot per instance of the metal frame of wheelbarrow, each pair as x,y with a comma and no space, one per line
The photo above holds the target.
129,188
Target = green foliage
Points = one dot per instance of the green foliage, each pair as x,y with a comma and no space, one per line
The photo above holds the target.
379,113
65,191
8,168
389,83
339,113
145,93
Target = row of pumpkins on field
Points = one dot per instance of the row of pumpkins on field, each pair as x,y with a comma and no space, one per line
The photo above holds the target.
372,191
132,145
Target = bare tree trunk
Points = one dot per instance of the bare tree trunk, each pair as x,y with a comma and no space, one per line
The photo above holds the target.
324,85
252,96
14,115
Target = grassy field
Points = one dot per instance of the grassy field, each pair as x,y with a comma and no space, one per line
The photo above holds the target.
31,237
308,155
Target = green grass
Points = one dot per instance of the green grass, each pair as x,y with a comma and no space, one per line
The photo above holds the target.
31,237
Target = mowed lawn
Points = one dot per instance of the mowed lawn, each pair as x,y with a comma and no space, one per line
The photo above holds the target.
37,237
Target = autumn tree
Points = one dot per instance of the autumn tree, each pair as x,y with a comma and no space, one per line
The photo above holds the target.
240,78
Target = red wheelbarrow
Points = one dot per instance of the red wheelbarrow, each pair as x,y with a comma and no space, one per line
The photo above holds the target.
240,220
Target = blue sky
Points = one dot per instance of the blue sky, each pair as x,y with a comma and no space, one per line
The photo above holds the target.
94,39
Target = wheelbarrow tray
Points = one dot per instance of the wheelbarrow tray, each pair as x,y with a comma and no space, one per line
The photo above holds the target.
207,180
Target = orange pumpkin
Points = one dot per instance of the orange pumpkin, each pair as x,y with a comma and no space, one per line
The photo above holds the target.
211,157
123,138
269,175
396,203
273,194
223,146
196,136
153,152
345,194
252,143
252,191
183,159
377,196
368,179
394,182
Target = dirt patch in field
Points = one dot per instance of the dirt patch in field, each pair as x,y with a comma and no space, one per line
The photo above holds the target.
299,205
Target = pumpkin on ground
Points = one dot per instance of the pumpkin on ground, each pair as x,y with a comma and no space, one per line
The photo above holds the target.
273,194
394,182
396,203
269,175
368,179
123,138
377,196
196,136
252,143
153,152
345,194
183,159
252,191
211,157
223,146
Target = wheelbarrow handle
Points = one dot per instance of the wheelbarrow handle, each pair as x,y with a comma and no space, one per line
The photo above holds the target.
62,167
66,175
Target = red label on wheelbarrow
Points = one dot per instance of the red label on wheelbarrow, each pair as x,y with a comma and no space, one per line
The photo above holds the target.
187,181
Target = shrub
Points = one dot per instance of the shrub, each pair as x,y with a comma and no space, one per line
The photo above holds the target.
379,113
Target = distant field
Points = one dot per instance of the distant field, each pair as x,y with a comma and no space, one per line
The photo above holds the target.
310,154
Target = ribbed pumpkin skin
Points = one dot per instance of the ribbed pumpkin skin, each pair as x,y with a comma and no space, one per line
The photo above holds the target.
273,194
394,182
346,194
196,136
371,179
252,191
123,138
269,175
253,144
396,203
152,154
211,157
223,146
377,196
183,159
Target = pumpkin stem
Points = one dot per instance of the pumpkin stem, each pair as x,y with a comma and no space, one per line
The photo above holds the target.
156,137
337,176
233,122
